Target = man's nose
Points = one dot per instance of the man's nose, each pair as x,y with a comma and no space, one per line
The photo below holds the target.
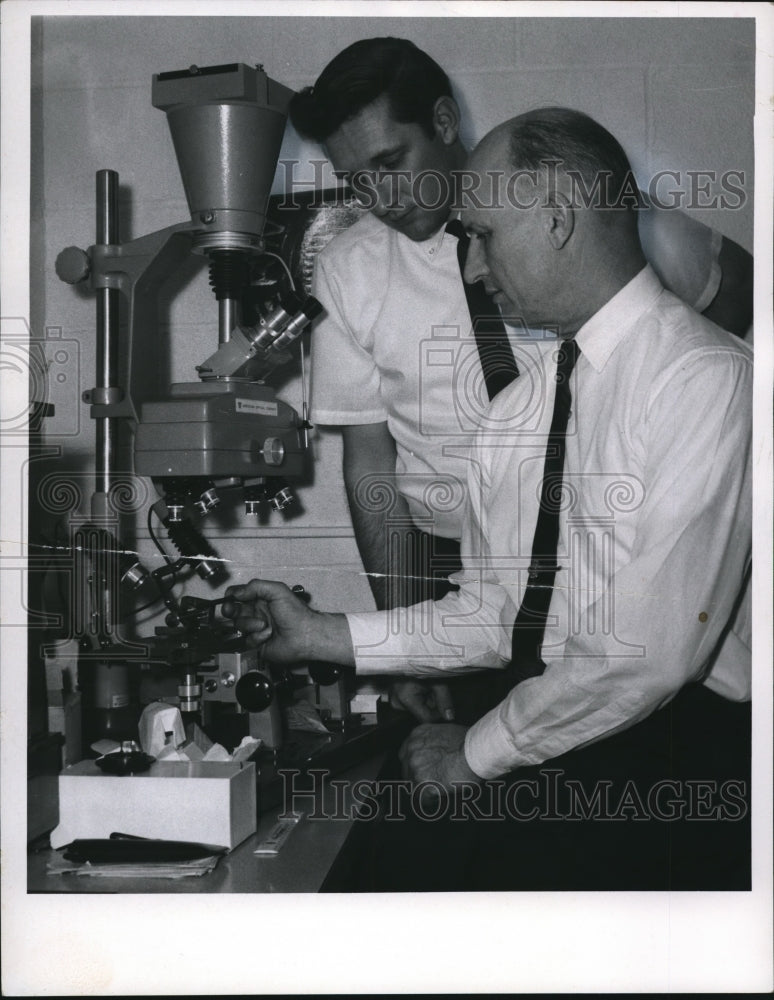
475,263
389,195
381,201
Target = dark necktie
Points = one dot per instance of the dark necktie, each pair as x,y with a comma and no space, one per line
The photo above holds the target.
530,624
494,349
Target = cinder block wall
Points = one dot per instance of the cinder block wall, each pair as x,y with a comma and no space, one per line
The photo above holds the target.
678,93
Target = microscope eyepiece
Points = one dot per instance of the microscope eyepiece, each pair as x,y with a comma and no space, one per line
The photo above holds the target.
208,500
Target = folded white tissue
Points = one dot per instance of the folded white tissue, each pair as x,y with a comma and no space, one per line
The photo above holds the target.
161,725
163,736
216,753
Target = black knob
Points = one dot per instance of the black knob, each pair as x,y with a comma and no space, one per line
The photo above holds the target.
254,691
324,673
72,265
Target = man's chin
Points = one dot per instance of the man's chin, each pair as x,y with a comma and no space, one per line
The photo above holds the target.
418,225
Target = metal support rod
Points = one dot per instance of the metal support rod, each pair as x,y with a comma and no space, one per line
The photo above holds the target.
107,342
227,319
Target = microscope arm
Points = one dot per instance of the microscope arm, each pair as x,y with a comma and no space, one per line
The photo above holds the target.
136,270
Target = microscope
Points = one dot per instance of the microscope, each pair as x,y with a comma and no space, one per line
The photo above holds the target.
196,441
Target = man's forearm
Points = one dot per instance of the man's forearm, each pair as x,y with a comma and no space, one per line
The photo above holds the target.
331,641
381,530
382,543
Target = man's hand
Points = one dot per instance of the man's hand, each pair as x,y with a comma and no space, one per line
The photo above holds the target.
427,701
435,752
274,619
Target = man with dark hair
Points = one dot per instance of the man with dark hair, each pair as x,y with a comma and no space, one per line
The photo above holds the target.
395,363
606,554
393,68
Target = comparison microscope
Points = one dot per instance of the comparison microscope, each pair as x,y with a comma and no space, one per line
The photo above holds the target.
196,441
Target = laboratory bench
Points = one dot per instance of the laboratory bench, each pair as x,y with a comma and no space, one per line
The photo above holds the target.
319,855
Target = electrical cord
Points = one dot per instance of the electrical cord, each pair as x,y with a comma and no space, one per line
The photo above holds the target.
159,597
304,401
143,607
276,256
154,539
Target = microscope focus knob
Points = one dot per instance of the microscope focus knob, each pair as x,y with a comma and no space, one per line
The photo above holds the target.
72,265
273,451
324,673
254,691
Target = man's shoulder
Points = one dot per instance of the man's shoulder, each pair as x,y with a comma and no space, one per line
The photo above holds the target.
346,247
679,359
687,334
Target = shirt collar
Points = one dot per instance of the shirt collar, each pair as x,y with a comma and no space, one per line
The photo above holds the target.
436,241
443,234
601,335
429,247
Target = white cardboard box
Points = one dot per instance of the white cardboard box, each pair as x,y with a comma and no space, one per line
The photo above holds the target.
207,803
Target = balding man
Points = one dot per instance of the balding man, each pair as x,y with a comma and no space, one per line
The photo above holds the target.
606,550
421,355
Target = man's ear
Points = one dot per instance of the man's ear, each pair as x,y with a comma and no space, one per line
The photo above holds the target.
559,220
446,120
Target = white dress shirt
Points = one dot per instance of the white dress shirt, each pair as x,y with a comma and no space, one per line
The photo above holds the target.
655,535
